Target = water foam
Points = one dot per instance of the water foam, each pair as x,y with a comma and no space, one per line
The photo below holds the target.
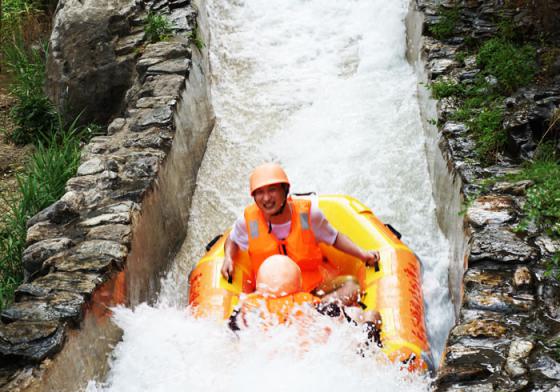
323,87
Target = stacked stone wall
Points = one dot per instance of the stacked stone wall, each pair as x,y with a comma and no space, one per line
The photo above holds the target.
108,240
506,336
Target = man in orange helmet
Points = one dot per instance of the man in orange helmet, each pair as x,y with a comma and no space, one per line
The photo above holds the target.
277,224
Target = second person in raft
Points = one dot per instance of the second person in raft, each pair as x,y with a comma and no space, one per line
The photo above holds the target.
277,224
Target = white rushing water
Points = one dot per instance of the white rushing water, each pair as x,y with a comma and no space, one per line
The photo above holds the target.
323,87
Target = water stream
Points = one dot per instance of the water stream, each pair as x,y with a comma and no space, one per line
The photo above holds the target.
324,88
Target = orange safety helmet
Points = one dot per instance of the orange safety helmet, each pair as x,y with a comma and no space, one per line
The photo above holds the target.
278,276
267,174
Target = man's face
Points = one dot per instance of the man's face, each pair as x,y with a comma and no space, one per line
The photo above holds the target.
270,198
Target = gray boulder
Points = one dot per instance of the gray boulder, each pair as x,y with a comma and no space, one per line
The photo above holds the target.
85,73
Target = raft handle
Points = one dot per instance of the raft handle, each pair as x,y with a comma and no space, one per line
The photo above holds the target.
394,231
211,243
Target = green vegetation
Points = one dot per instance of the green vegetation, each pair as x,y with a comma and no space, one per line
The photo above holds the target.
42,183
444,88
445,26
481,100
33,113
158,27
542,206
196,38
24,28
513,66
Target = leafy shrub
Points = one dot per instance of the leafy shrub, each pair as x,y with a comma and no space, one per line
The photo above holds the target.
513,66
487,127
42,183
543,198
25,19
196,38
158,27
32,113
443,89
460,56
445,26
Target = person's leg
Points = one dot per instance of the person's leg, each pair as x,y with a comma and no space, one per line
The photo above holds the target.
347,294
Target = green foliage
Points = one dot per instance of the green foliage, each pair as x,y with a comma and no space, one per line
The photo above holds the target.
543,198
54,162
553,270
507,30
25,20
487,127
444,88
445,26
513,66
548,57
542,206
460,56
32,112
196,38
158,27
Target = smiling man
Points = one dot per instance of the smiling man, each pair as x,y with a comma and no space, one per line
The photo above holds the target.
277,224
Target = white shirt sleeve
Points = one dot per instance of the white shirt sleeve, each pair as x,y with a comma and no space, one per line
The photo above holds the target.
323,230
239,233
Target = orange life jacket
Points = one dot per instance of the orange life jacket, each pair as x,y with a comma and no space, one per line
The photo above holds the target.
300,245
281,308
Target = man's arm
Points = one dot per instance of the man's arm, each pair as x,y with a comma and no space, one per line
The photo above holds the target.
230,250
345,244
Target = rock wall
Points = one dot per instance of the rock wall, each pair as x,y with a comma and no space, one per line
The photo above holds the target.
509,314
446,182
108,240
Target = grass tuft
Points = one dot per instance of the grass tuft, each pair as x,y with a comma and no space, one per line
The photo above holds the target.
445,26
512,65
42,183
158,27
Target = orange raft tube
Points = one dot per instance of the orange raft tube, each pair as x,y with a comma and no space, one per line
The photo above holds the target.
394,289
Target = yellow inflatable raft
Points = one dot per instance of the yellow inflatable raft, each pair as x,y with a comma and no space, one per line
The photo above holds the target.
394,289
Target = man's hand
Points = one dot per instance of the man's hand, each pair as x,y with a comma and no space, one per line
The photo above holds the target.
371,258
227,268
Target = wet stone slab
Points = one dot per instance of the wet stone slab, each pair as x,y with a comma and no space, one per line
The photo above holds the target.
519,350
142,166
480,328
545,367
92,255
162,85
176,66
501,245
153,138
550,297
491,210
489,387
42,231
75,282
146,118
56,306
461,355
490,299
107,179
31,340
114,232
464,373
36,254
